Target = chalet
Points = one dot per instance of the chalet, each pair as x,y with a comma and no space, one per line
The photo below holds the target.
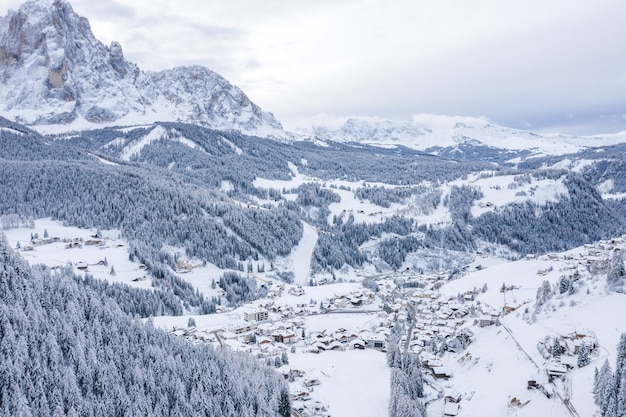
273,294
318,347
299,393
311,381
243,327
461,312
334,345
357,344
555,370
485,321
82,266
356,301
441,372
284,336
284,370
452,396
342,338
179,332
431,361
375,341
297,291
570,362
339,302
263,341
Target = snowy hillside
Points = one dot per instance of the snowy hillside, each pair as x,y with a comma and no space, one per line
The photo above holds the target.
53,71
506,364
443,266
432,132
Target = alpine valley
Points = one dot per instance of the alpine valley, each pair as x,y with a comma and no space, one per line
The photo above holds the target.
170,250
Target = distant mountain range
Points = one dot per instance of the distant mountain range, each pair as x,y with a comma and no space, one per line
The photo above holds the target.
54,71
55,75
432,133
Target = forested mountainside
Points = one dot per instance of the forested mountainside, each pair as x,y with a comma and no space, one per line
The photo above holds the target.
178,185
66,350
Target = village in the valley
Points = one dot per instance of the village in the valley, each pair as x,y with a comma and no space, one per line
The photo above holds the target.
435,323
441,319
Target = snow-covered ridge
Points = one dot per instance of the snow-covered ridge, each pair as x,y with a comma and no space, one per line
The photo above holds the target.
53,71
425,132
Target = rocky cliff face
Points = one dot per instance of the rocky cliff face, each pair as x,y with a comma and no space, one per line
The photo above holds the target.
54,71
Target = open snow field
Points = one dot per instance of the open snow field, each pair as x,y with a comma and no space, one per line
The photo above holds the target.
81,254
352,383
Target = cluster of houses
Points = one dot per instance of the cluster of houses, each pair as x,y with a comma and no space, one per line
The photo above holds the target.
342,339
357,298
37,241
599,251
570,345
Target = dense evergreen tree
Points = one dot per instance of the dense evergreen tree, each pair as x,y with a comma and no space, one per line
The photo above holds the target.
609,389
616,273
583,356
66,350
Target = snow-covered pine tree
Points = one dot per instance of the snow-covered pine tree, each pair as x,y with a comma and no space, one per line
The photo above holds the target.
609,389
616,272
544,293
583,356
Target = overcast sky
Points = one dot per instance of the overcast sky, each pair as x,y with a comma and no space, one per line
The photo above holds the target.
541,64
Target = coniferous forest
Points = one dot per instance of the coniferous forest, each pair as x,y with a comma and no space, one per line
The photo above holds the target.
66,350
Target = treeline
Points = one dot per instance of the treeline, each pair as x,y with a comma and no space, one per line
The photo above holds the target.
147,207
240,159
30,147
273,232
67,351
168,197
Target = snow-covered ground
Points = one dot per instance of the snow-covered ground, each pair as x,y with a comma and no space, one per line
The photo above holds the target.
81,249
490,375
496,356
352,383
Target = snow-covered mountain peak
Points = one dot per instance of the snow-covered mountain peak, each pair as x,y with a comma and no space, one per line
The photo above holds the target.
426,132
53,71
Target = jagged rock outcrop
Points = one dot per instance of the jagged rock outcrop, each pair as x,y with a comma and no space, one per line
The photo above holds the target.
54,71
